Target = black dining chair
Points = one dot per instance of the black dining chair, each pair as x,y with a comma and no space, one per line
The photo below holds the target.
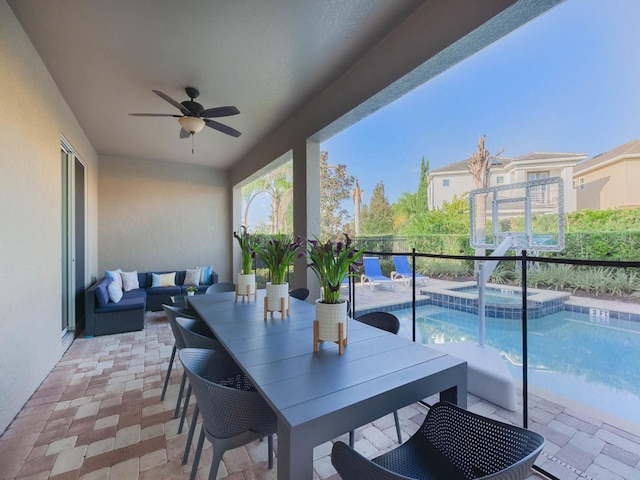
233,412
299,293
220,288
452,443
388,322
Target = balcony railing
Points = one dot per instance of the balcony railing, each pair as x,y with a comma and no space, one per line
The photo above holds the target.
569,329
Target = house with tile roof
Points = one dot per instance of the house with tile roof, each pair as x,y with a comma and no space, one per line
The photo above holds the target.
455,178
609,180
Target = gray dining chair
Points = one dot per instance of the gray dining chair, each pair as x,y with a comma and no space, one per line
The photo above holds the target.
233,412
452,443
195,334
171,313
220,288
388,322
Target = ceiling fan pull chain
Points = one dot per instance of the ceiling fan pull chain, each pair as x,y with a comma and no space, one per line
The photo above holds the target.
192,141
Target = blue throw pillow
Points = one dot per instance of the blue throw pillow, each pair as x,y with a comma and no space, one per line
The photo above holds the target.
115,276
205,275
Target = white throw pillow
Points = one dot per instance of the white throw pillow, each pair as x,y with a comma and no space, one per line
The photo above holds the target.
129,280
115,292
192,277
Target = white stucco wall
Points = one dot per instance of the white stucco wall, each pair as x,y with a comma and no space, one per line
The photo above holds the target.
33,117
163,216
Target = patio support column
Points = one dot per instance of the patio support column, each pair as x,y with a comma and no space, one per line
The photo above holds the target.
306,206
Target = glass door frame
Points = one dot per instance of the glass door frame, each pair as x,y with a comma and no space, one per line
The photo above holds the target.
69,160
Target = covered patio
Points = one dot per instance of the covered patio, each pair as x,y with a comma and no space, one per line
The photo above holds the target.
98,415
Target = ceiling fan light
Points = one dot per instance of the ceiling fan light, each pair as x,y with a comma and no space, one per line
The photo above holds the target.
191,124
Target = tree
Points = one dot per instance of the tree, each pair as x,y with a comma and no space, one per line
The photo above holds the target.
480,165
405,210
377,218
451,218
249,193
279,185
335,187
411,208
422,195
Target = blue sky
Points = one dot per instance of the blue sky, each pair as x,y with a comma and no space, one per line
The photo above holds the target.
568,81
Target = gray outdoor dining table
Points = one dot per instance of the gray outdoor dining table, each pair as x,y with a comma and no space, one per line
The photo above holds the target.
320,396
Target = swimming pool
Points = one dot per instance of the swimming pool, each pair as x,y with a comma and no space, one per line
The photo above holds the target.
503,296
500,301
571,354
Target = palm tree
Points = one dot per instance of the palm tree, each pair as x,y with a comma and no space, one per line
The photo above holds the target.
480,165
278,184
249,193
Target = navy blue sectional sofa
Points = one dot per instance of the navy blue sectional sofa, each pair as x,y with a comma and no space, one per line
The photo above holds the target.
104,317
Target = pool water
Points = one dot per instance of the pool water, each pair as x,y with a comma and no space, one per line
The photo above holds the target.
504,296
570,353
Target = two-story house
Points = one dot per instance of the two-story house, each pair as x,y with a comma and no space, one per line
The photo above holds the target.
609,180
455,178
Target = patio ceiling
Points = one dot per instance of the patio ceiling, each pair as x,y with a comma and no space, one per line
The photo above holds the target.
268,58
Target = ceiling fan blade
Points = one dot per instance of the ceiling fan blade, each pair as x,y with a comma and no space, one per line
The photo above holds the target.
222,128
184,133
167,98
154,115
219,112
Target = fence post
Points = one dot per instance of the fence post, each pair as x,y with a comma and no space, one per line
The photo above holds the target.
413,302
525,368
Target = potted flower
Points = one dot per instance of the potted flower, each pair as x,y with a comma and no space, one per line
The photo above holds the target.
331,262
246,283
278,253
191,291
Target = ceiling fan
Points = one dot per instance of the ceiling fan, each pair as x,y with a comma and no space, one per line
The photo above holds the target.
194,116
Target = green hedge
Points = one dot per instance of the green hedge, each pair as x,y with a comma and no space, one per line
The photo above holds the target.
449,244
613,246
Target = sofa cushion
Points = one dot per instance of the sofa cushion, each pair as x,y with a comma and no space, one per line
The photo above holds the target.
115,293
138,293
144,280
174,290
131,303
115,276
192,277
102,296
129,280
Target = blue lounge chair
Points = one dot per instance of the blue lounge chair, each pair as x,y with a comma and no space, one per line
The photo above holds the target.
403,272
372,273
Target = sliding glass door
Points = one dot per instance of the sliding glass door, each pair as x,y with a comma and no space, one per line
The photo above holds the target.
73,254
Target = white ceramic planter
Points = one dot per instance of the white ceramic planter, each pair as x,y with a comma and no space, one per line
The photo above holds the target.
329,315
275,294
244,281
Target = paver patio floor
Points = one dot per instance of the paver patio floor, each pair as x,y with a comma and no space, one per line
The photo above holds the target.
98,415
